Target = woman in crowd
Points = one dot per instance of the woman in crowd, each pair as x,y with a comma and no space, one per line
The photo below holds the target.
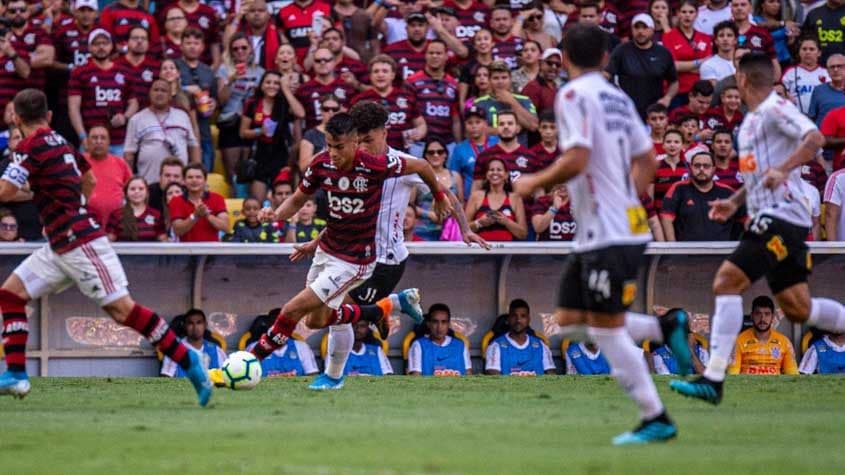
481,85
8,227
178,98
175,24
429,225
482,44
286,66
530,65
237,78
497,213
771,15
314,140
531,27
171,191
689,48
661,12
136,221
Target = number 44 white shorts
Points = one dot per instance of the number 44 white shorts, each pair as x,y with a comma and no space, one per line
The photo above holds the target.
93,267
332,278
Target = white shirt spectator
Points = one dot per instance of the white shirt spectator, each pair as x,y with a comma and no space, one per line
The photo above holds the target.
800,82
396,31
493,360
810,361
707,19
834,193
813,201
717,68
153,137
415,355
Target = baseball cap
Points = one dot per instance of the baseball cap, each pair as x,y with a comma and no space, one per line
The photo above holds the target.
549,52
98,32
416,17
92,4
643,18
475,112
444,10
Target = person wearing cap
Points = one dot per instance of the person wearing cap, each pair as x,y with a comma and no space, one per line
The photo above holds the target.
409,53
541,91
641,67
477,140
394,27
689,48
24,36
119,17
503,99
100,92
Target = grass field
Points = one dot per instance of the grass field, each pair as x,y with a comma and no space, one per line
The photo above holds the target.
403,425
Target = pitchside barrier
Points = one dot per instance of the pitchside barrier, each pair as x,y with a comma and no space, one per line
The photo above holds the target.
233,283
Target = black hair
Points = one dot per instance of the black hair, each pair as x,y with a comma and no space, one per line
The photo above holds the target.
518,303
758,68
656,108
196,166
195,311
341,124
723,131
585,45
139,27
762,301
433,140
703,152
724,25
702,87
438,307
31,105
673,131
508,112
368,115
508,185
547,115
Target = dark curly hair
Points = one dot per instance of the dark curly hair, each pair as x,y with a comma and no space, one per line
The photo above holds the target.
368,116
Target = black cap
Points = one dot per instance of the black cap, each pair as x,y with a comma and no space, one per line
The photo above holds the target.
445,11
475,111
416,17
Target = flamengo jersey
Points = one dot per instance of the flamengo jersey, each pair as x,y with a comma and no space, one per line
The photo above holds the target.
354,200
395,194
402,106
296,22
470,19
408,59
310,93
71,43
593,114
520,160
54,171
799,84
142,77
437,100
767,137
104,92
119,20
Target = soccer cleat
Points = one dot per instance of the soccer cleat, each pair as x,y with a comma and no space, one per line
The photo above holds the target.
659,429
216,377
675,327
15,383
325,382
199,378
701,388
409,303
383,327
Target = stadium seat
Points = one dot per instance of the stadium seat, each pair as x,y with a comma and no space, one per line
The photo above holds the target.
488,337
217,183
234,206
324,344
701,340
409,338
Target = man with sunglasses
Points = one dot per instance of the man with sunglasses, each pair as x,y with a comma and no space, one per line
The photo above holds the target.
542,90
324,81
24,36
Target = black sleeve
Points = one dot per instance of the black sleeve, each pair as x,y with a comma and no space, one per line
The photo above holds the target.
614,65
671,74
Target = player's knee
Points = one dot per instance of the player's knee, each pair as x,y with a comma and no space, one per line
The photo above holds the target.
120,309
315,322
726,284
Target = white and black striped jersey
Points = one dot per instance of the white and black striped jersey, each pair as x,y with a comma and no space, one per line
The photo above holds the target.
395,193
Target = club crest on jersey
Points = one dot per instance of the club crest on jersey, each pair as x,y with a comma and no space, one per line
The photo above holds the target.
118,78
402,103
147,75
340,93
145,24
521,162
10,66
343,183
360,184
203,21
775,352
150,220
29,39
478,16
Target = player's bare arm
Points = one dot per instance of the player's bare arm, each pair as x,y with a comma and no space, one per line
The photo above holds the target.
307,249
8,190
89,181
442,205
286,210
812,142
722,210
461,217
570,164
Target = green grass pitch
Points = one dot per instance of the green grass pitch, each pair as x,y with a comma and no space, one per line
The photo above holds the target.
404,425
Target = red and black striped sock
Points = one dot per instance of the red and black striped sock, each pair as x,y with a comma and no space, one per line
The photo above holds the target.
15,330
353,313
155,329
275,338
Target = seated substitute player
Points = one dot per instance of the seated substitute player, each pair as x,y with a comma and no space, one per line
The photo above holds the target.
78,251
366,358
608,161
353,181
774,141
585,359
195,327
518,352
761,349
825,355
436,353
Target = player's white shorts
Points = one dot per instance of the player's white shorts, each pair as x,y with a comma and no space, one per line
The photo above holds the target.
332,278
93,267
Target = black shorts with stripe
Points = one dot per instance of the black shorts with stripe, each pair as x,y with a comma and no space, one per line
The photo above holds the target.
603,280
384,280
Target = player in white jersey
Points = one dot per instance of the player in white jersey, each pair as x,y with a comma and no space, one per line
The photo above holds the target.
391,252
775,140
608,161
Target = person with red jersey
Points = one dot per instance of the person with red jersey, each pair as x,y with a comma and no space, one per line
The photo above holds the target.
657,121
671,167
100,92
725,159
324,82
410,53
517,158
136,220
48,16
356,27
498,213
546,150
437,95
833,128
700,95
346,256
120,17
472,16
204,18
144,66
254,20
111,173
551,216
688,46
405,125
30,38
297,21
175,24
505,45
349,68
14,73
78,251
751,36
199,215
727,114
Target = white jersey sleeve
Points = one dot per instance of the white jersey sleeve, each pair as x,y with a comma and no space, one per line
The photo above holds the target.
415,358
573,119
548,361
467,360
810,361
306,356
493,358
386,367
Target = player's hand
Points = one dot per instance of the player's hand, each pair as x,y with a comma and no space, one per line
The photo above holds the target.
267,215
304,250
442,205
721,210
470,237
774,178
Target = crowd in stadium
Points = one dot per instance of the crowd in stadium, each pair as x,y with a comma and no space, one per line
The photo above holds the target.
195,115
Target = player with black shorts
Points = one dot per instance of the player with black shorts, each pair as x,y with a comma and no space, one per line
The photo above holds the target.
608,162
775,140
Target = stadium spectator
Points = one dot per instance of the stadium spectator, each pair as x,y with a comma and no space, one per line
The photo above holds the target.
711,14
689,49
657,119
314,139
391,22
175,24
529,65
833,128
728,81
136,220
157,132
297,20
812,199
199,215
196,327
497,213
171,170
199,81
352,71
546,150
829,95
661,12
202,17
265,120
518,158
751,36
481,86
477,140
641,67
408,223
688,126
501,98
482,48
437,95
100,93
367,357
814,173
118,18
826,355
834,197
725,159
800,80
551,216
589,12
506,45
529,25
429,225
237,78
663,361
780,90
112,174
305,226
761,349
410,53
22,207
171,192
541,91
585,359
671,169
9,226
721,65
700,95
727,114
250,229
324,82
473,16
437,353
35,40
700,355
685,208
825,23
178,97
358,30
773,16
286,65
253,18
141,63
518,352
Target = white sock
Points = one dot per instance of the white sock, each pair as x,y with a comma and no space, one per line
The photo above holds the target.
629,368
341,339
726,324
827,314
577,332
643,327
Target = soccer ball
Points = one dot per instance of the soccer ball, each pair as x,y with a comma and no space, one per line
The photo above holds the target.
242,370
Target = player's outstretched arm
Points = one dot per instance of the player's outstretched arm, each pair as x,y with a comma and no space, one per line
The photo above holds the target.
442,205
285,210
568,166
8,190
306,249
89,181
722,210
458,212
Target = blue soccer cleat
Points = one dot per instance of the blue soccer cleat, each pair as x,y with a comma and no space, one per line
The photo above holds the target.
659,429
675,327
325,382
701,388
409,303
199,378
15,383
